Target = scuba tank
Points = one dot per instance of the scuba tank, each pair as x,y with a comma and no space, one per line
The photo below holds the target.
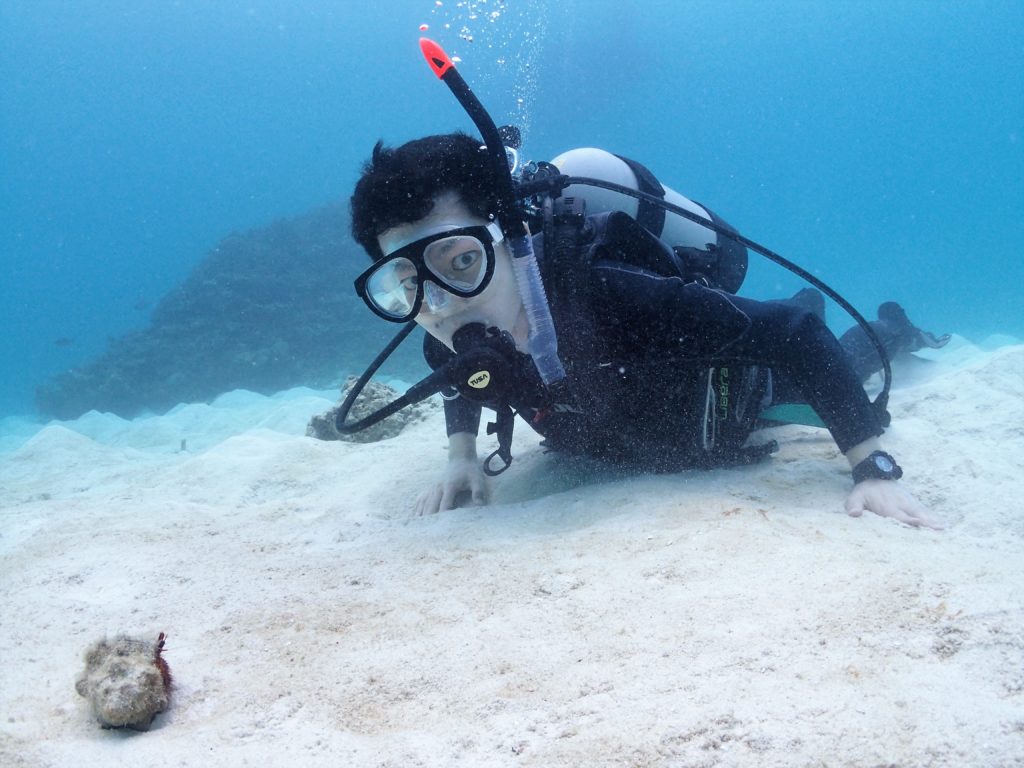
704,254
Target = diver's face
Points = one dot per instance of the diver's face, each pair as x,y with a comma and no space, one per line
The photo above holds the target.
443,313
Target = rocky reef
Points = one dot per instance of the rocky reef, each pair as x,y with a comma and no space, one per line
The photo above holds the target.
265,310
373,397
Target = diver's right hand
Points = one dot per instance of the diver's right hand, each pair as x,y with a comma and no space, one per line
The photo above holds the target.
463,484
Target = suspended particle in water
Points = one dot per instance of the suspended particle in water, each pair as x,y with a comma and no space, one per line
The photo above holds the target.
424,27
456,59
438,3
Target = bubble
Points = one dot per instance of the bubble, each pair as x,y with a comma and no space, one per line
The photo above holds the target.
424,27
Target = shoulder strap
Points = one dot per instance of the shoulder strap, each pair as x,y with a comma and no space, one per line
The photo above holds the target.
648,215
620,237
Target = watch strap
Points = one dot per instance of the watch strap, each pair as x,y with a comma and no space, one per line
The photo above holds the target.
879,465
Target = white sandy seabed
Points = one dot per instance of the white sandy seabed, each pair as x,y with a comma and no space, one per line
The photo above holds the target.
726,618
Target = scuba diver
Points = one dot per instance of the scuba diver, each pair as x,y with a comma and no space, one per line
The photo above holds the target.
610,335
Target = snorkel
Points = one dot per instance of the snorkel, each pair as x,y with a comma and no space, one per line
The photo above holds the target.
542,342
481,370
481,353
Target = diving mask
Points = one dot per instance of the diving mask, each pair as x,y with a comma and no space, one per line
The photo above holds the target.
459,260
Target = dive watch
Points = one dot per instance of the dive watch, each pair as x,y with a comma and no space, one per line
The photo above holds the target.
879,465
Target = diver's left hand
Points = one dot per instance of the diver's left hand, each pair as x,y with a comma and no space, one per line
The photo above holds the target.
887,498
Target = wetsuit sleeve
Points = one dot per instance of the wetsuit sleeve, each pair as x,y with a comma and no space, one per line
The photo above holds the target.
689,323
460,415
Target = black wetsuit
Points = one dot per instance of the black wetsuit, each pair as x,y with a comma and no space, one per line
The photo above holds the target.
664,374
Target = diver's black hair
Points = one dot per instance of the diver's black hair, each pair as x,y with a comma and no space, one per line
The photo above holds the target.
398,186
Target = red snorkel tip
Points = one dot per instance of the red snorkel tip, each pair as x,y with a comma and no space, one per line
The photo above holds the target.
435,56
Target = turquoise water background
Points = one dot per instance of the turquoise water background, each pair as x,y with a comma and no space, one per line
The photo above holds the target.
879,144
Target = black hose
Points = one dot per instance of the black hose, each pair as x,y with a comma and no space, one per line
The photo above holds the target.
342,415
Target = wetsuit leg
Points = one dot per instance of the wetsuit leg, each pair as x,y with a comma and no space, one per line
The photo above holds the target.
897,334
893,328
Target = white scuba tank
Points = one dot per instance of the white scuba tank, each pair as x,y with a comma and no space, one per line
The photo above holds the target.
676,231
599,164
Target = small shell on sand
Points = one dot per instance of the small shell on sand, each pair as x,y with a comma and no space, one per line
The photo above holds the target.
126,681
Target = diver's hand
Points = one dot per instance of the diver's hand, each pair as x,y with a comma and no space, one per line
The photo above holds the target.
887,498
463,484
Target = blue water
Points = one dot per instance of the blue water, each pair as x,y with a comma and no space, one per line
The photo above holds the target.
879,144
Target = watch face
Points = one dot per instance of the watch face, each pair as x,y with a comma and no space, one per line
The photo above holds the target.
884,463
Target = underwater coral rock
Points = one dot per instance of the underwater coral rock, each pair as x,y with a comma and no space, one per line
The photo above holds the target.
265,310
126,681
373,397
